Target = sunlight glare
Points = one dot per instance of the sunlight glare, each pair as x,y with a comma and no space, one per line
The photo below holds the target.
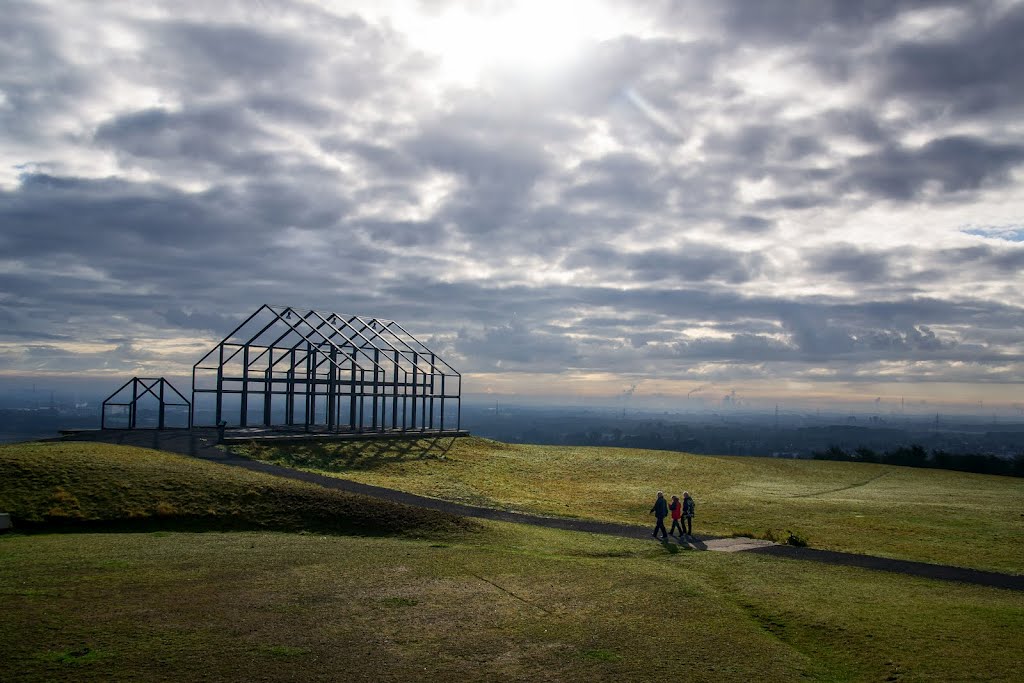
528,37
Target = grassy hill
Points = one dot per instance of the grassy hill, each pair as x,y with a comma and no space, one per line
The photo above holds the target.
909,513
488,602
93,485
510,603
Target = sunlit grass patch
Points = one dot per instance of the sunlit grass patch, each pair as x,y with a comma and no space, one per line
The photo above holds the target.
602,655
75,657
399,602
928,515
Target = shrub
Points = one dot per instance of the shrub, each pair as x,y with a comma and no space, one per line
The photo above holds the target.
797,540
165,509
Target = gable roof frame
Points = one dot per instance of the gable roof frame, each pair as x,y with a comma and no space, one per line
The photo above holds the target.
319,361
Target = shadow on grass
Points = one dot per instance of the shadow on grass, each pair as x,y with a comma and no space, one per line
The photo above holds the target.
342,456
690,543
201,524
190,524
284,508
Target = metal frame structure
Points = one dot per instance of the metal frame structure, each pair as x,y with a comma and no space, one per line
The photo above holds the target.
326,372
155,387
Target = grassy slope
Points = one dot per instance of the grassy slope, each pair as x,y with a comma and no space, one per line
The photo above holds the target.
101,485
928,515
508,603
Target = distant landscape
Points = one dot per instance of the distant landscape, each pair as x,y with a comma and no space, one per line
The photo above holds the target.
794,435
788,434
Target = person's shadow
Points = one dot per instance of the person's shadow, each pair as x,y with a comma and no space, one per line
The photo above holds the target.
691,542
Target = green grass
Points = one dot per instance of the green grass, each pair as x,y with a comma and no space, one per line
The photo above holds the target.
452,601
78,485
918,514
506,603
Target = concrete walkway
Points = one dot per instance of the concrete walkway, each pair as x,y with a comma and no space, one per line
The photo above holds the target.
201,443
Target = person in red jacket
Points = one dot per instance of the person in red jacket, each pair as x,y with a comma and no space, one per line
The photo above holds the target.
676,508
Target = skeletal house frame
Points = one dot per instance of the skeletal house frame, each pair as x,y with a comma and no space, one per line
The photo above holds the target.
325,372
121,409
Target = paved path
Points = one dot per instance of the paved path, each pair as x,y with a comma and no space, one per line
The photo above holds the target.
201,443
923,569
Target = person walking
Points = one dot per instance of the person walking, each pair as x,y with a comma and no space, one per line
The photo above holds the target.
688,513
660,510
676,508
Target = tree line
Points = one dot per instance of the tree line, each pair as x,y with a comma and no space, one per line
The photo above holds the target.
916,456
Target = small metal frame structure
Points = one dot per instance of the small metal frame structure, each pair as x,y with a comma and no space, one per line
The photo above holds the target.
325,372
145,389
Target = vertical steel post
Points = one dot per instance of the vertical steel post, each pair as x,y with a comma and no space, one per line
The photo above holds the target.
289,391
394,401
352,393
423,401
415,386
362,399
244,416
135,401
433,360
332,390
376,370
268,389
310,398
220,386
160,414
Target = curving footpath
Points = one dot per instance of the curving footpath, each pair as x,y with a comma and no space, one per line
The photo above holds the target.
201,443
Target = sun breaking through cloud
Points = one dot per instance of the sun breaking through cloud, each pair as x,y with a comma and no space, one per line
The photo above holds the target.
779,198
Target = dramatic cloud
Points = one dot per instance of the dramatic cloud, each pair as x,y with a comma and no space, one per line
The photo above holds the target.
784,198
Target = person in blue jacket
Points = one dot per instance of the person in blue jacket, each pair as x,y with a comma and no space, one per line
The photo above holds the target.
688,507
660,511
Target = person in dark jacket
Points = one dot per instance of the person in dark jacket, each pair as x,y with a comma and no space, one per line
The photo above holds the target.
660,510
688,513
676,508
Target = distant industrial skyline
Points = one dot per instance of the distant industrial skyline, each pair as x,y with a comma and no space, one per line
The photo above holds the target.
86,393
812,203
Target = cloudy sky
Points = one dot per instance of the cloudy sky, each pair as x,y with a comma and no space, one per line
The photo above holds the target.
788,199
